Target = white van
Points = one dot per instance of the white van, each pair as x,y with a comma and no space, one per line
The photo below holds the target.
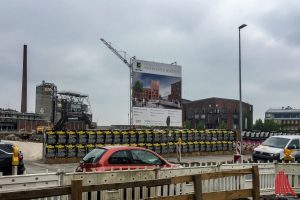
273,147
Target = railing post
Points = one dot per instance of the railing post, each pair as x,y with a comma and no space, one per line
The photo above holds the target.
76,190
255,183
198,187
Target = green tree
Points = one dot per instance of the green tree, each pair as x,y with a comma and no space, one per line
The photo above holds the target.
259,125
187,124
222,125
200,126
271,125
138,86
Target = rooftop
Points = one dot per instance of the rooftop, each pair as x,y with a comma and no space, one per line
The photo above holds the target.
283,110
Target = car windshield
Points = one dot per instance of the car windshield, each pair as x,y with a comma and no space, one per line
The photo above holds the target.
93,156
276,142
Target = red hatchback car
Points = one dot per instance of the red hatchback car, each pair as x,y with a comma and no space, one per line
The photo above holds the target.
122,158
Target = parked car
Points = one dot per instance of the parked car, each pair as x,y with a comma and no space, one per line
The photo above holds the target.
6,156
273,148
122,158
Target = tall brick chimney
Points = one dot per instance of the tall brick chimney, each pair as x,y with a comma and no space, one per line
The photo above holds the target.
24,82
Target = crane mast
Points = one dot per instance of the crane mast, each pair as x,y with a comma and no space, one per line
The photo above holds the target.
115,52
130,76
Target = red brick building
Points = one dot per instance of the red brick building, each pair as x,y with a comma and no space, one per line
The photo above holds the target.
213,113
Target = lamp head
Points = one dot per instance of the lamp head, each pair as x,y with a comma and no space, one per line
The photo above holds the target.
242,26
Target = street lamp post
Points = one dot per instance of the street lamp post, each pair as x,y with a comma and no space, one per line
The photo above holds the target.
240,88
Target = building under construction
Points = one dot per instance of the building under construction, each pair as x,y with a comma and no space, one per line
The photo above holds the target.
64,110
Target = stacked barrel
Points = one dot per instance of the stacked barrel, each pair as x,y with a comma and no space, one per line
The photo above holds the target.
70,144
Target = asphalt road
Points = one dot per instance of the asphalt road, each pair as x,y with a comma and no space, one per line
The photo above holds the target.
35,167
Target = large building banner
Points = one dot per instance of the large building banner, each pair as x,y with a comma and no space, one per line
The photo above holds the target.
156,93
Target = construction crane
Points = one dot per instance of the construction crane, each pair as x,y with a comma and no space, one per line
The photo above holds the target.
131,72
116,52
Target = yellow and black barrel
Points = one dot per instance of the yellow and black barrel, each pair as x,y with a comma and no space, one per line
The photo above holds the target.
171,147
202,146
220,135
91,137
231,136
190,135
81,137
132,136
164,136
108,137
50,151
196,135
61,137
50,137
89,147
164,148
208,135
157,148
156,136
61,151
184,147
71,151
80,150
149,136
171,135
208,146
100,137
117,137
213,146
99,145
225,145
191,146
71,137
219,146
184,135
125,137
225,135
202,135
214,136
141,136
196,146
143,145
150,146
177,135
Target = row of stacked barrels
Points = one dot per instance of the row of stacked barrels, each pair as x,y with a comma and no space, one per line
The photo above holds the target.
254,139
70,144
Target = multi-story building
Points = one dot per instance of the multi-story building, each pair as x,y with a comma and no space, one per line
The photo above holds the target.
215,113
14,121
154,86
175,92
288,118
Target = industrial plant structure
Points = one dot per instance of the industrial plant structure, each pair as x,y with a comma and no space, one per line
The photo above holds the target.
64,110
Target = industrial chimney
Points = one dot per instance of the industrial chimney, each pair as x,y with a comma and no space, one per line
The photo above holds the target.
24,82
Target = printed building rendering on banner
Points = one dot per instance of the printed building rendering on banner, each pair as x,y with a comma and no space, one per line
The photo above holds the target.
156,93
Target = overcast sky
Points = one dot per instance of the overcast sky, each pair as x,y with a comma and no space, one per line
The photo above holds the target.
201,36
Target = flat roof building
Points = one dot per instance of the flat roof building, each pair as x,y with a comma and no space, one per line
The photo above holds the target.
287,117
